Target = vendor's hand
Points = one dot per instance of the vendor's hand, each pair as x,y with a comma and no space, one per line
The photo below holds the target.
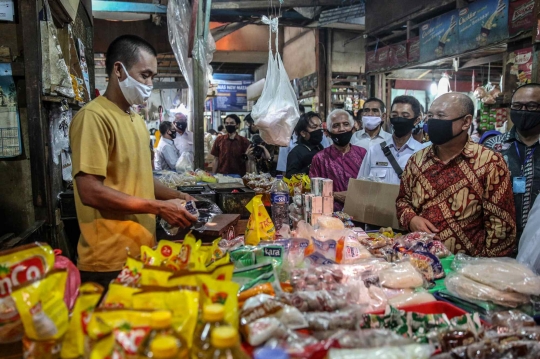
265,152
249,153
419,224
186,197
174,213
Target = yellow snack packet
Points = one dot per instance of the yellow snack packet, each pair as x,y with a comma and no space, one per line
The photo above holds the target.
127,327
189,256
226,259
223,272
41,306
152,275
131,273
181,302
119,296
260,226
17,267
220,292
73,343
166,250
186,278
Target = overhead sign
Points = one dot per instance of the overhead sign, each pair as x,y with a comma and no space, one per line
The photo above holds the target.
397,56
482,23
231,92
413,50
520,16
439,37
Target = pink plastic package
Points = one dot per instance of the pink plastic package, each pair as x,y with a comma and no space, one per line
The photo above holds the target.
74,278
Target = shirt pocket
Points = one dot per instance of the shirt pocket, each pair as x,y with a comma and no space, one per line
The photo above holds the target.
380,173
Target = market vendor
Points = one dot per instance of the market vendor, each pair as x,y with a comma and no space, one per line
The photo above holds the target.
456,188
519,147
230,151
342,160
184,138
166,154
387,160
309,133
116,196
373,117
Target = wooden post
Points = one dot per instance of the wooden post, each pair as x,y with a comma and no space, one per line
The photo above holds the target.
328,79
320,54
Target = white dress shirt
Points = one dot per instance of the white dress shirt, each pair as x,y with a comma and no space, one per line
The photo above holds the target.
166,155
376,164
184,142
363,139
284,152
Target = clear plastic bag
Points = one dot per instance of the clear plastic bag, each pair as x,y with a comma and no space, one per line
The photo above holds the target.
185,163
401,276
416,351
276,112
529,250
504,274
461,286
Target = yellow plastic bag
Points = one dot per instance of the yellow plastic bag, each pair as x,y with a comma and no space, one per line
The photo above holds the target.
41,306
260,226
17,267
220,292
165,251
131,273
73,343
152,275
182,303
119,296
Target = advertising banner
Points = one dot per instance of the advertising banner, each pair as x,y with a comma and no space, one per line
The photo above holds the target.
398,55
520,62
520,16
371,61
231,91
413,50
439,37
482,23
383,58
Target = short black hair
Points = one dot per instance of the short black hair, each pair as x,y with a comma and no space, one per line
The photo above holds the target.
406,99
220,128
532,84
375,99
164,127
304,121
301,108
234,117
126,49
249,119
212,131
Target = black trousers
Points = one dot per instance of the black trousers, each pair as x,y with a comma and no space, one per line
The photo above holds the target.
101,278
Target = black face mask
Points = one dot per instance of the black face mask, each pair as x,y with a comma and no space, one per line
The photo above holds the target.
181,126
525,120
402,126
230,128
315,137
341,139
440,131
173,134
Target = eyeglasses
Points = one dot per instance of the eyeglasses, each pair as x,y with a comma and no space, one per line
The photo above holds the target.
531,106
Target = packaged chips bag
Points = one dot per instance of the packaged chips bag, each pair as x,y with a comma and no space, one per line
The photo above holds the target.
260,226
17,267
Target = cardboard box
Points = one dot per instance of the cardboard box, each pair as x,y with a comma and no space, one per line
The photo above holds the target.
328,205
372,203
317,205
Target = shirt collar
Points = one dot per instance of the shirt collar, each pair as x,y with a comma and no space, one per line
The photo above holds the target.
411,143
170,142
364,134
468,150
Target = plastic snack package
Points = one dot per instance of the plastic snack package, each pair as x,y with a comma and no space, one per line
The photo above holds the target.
369,338
164,251
87,301
511,320
152,275
131,273
468,289
327,222
411,351
407,299
117,333
263,329
182,303
504,274
231,245
17,267
189,257
296,254
350,250
260,226
402,275
119,296
42,349
249,277
324,321
319,301
220,292
41,305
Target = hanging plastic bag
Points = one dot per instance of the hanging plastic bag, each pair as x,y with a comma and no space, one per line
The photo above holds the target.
276,112
185,162
529,250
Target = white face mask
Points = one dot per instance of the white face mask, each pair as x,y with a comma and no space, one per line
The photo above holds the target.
134,92
371,122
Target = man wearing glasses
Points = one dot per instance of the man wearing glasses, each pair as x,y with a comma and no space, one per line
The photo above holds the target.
519,147
458,189
373,118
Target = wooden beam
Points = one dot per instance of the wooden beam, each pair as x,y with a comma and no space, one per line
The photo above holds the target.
483,61
263,4
246,57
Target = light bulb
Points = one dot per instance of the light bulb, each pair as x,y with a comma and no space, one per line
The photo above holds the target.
434,88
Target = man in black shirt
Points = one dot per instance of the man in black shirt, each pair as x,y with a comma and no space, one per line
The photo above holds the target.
519,148
309,132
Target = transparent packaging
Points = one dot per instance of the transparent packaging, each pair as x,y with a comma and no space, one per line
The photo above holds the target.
161,326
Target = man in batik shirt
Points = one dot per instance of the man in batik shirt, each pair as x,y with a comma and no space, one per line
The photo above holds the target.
458,189
519,147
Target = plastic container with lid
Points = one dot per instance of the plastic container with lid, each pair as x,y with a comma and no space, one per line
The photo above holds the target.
225,344
212,317
161,324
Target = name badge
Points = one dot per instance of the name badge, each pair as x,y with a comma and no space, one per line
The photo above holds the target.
519,184
382,164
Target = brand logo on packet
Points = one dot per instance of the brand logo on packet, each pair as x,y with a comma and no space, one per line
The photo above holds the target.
20,273
166,251
280,198
522,11
272,252
130,338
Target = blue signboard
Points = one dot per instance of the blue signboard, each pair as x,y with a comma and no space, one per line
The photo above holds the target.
482,23
231,91
439,37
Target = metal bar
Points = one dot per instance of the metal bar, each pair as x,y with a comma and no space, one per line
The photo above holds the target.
198,93
124,6
207,20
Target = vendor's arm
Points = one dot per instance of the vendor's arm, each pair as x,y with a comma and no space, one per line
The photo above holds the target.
405,210
164,193
94,193
499,212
